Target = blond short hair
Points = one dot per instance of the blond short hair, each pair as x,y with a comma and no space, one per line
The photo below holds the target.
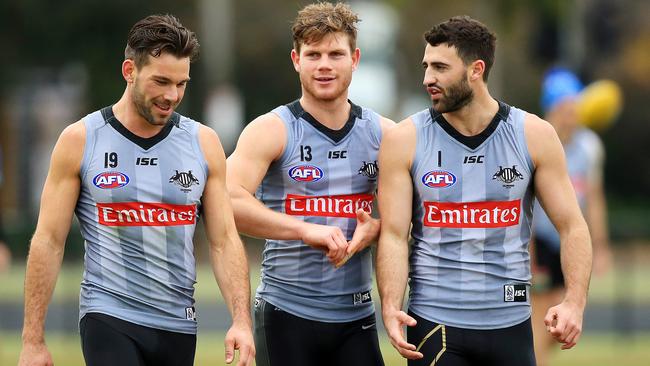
315,21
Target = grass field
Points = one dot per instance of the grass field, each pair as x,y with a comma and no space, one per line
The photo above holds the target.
594,350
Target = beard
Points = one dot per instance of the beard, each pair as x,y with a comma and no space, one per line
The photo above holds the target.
455,97
144,107
331,93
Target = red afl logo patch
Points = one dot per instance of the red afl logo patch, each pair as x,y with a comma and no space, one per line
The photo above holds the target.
438,179
110,180
306,173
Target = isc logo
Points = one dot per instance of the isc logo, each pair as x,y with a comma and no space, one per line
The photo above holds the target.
438,179
306,173
110,180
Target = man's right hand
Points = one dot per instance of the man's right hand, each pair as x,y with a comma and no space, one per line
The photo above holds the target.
35,354
327,238
394,322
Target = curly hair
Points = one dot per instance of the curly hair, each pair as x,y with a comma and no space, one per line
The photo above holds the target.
157,34
472,39
315,21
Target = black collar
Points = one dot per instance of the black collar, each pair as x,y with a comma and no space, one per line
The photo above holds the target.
472,141
336,135
144,142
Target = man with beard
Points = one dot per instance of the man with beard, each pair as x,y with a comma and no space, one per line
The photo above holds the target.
312,165
138,175
465,173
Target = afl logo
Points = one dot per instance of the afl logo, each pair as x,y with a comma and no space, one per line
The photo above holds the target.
306,173
110,180
438,179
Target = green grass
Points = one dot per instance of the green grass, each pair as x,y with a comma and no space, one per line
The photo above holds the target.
600,349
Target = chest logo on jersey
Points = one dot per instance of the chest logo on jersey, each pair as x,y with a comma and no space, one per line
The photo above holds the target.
369,169
306,173
488,214
145,214
110,180
329,206
438,179
184,180
508,175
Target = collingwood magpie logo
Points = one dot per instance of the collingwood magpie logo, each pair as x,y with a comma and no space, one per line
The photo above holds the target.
184,180
370,170
508,175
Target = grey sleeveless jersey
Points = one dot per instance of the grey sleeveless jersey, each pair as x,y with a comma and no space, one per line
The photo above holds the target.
323,177
472,207
584,157
138,209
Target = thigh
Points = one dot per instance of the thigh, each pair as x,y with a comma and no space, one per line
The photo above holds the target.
441,345
170,348
282,339
512,346
359,344
104,345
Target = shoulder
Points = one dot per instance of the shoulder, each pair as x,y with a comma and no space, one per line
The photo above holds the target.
265,136
541,138
73,136
386,124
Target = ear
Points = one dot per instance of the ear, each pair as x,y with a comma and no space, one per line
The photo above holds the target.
295,58
476,70
128,70
356,57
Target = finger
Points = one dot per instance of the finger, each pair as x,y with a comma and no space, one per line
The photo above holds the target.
559,331
551,315
406,319
342,245
344,260
411,355
568,345
362,216
230,350
572,335
244,356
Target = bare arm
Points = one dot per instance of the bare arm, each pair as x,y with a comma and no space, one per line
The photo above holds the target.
596,216
58,201
556,195
227,253
261,143
395,199
367,229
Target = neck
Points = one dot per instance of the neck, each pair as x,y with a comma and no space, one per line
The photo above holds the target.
473,118
332,114
126,112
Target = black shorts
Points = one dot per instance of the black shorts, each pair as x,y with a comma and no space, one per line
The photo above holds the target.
109,341
283,339
449,346
548,262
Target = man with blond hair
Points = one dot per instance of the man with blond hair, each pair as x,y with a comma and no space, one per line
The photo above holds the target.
312,165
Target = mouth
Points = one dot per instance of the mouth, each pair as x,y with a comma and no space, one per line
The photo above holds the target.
164,108
434,91
324,79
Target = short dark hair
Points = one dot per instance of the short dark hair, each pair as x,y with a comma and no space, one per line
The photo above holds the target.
157,34
317,20
473,40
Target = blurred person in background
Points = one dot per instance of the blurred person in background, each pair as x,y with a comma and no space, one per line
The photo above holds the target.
138,175
304,177
584,154
465,174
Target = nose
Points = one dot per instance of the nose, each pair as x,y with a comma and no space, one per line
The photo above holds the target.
172,94
429,78
324,63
